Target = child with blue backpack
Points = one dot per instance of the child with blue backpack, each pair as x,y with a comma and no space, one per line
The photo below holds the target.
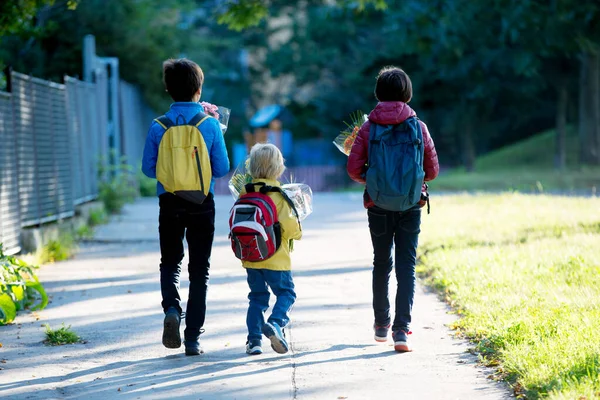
264,222
394,155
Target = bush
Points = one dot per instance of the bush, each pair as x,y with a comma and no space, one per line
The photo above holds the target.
19,288
57,249
117,187
147,185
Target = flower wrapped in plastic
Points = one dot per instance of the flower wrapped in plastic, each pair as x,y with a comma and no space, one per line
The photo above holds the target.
219,112
299,193
346,138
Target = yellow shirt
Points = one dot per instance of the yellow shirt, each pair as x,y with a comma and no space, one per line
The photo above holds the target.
290,230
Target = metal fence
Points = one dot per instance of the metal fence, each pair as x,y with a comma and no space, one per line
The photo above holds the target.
54,138
87,138
135,120
43,155
10,223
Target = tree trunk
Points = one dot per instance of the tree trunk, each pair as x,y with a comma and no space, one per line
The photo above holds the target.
560,155
589,108
468,148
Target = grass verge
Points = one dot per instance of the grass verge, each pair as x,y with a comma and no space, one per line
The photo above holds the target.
60,336
523,272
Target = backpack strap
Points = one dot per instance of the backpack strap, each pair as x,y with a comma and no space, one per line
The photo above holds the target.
250,187
198,119
164,121
288,200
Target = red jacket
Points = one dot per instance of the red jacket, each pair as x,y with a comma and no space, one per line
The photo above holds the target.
388,113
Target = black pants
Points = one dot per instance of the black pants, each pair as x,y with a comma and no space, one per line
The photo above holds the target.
179,218
389,228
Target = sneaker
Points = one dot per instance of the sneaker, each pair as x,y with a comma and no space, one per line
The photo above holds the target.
171,337
254,347
275,334
401,341
193,348
381,332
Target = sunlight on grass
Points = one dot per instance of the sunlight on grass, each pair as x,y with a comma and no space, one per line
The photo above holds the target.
524,273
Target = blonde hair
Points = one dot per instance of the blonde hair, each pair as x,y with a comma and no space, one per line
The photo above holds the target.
266,161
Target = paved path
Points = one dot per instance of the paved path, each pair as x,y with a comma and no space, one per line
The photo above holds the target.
110,295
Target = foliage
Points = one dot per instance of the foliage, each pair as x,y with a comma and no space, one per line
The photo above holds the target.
97,217
118,186
61,336
524,166
19,288
84,231
525,284
59,249
250,13
17,16
147,185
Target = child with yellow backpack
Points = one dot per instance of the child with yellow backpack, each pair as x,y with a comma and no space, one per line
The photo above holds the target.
185,150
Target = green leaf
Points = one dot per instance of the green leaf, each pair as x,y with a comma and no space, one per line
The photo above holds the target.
8,310
36,286
18,295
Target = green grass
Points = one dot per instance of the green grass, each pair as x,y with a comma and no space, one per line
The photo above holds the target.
97,217
524,166
59,249
523,272
60,336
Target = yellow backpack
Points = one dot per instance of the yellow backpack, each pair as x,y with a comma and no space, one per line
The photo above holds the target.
183,165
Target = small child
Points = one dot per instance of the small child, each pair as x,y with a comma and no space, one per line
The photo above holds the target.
266,166
389,229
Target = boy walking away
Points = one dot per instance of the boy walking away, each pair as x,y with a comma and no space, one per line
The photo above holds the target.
185,150
394,155
263,223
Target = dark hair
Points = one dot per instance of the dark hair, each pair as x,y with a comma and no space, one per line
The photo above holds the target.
182,78
393,84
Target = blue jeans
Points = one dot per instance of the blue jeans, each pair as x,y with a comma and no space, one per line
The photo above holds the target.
179,219
389,228
282,285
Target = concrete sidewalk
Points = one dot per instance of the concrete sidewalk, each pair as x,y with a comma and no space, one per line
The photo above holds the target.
110,294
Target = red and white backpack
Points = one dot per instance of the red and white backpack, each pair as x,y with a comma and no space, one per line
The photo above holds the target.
253,223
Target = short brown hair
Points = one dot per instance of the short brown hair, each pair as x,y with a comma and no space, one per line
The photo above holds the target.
182,78
393,84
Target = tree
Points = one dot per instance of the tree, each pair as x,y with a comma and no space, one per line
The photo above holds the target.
17,16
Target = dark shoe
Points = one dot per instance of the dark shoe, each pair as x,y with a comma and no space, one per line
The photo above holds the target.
171,337
401,341
275,334
193,348
381,332
254,347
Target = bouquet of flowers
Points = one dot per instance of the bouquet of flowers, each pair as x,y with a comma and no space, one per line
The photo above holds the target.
299,193
219,112
346,138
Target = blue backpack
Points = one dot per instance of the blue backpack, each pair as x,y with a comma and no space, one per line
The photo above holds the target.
395,171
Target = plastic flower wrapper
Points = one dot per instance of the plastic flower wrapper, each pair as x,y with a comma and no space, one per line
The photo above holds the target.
239,179
219,112
299,193
302,197
346,138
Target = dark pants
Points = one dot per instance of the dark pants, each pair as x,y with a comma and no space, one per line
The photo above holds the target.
282,285
389,228
179,218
